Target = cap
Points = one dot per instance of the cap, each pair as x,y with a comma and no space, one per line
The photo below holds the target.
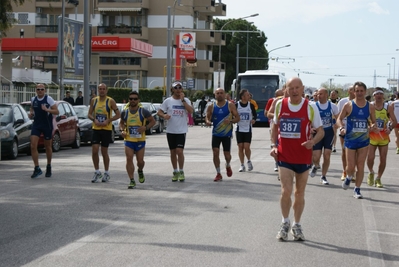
176,84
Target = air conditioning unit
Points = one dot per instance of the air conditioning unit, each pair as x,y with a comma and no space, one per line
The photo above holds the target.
39,10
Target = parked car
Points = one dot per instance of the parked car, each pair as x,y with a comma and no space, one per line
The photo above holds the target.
159,125
115,124
165,122
85,124
15,129
66,131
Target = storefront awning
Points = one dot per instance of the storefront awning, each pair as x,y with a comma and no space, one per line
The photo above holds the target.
129,9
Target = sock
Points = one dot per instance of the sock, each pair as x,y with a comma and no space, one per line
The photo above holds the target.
175,170
218,170
97,171
227,165
286,220
296,223
181,170
106,172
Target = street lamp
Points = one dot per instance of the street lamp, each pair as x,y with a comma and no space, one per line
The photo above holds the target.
389,75
246,65
220,44
280,47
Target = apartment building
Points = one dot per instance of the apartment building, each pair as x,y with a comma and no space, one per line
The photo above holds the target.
144,22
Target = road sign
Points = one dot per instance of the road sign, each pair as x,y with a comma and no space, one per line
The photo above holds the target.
392,81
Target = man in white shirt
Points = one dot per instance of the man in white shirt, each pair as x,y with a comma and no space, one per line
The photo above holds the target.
175,110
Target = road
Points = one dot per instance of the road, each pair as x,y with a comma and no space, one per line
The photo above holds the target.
66,220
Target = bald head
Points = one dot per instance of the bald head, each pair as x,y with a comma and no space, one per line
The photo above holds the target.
279,92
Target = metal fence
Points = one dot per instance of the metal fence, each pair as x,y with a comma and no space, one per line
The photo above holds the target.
17,94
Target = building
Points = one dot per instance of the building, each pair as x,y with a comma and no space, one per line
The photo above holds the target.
139,23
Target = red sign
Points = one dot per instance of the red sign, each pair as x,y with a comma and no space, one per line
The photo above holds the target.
104,42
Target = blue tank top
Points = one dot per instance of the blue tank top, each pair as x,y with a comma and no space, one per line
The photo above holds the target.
43,119
357,125
326,116
219,114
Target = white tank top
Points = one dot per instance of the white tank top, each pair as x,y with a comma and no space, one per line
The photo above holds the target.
244,125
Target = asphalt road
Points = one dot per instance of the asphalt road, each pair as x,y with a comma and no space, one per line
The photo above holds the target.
66,220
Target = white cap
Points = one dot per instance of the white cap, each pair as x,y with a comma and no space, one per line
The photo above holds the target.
176,84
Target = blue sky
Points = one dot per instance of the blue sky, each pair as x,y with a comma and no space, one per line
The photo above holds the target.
346,40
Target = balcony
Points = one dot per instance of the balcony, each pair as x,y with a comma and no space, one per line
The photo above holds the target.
204,66
52,4
220,38
206,37
206,7
220,10
136,32
128,4
43,31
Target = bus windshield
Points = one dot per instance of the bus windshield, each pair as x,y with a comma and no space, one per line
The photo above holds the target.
262,87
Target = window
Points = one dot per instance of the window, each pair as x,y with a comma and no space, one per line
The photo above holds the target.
17,114
61,110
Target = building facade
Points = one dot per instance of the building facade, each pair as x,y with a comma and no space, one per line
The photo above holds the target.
142,20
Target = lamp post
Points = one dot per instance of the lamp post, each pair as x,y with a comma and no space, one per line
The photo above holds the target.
280,47
220,44
389,75
394,61
246,65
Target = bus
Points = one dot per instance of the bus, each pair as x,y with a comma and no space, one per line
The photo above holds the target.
262,84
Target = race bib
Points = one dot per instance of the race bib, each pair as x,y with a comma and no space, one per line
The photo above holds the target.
359,125
290,128
380,124
133,133
101,117
326,122
244,116
177,112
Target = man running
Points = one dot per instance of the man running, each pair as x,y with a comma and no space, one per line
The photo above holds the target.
175,110
100,113
247,113
327,112
385,120
222,114
396,129
42,109
294,117
133,124
341,130
357,112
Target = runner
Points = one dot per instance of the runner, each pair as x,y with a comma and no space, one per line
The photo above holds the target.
358,113
133,124
175,109
247,113
42,109
396,129
222,114
327,112
334,99
100,113
294,118
385,120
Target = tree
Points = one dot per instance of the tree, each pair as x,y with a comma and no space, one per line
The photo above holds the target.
256,48
5,21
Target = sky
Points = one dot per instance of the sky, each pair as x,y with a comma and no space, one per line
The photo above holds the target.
342,40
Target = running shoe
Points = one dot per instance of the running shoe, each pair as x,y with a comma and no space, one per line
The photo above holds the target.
97,177
314,171
242,168
397,150
343,177
296,231
181,177
36,172
229,171
370,179
48,170
106,178
334,150
356,193
282,235
132,184
276,167
175,176
378,183
250,167
346,183
323,181
141,176
218,178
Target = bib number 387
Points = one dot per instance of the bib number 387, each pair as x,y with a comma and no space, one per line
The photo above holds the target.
290,128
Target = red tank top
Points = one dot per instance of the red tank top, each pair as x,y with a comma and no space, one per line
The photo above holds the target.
294,129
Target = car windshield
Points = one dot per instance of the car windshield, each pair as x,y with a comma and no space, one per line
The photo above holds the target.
5,115
146,106
81,112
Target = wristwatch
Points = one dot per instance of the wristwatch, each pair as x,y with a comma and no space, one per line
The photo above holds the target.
183,101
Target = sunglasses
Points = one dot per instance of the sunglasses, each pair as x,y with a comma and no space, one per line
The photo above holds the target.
39,89
177,87
133,98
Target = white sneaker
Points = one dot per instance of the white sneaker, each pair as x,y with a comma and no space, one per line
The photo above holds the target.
242,168
250,167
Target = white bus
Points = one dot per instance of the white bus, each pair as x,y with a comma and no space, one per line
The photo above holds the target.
262,84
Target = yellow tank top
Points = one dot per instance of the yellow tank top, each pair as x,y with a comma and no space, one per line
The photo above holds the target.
382,117
102,111
133,122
